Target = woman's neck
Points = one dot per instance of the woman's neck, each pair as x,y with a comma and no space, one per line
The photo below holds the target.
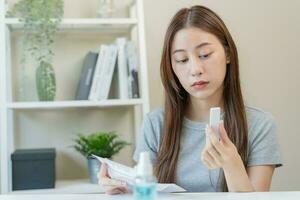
198,109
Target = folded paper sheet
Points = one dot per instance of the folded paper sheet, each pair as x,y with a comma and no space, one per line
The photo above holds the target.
124,173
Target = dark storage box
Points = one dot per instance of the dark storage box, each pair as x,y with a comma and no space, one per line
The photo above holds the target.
33,169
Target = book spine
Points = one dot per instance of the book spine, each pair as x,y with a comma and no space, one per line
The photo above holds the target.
85,82
122,69
133,70
107,74
97,72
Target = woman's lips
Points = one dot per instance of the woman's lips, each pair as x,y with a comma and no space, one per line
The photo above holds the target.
200,85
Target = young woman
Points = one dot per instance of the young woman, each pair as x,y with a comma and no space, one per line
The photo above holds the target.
200,70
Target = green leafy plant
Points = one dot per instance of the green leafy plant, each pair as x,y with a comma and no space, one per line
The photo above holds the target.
41,19
104,144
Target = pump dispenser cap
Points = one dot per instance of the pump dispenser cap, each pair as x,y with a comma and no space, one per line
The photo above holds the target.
144,167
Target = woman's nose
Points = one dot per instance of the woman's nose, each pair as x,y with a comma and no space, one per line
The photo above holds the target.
196,67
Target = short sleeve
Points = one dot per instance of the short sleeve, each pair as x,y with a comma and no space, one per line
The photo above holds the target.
147,141
264,148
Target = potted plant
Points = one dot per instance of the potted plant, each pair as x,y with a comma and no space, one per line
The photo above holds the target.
41,19
103,144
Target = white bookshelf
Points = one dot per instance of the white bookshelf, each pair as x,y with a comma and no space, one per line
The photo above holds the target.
117,25
77,186
134,25
74,104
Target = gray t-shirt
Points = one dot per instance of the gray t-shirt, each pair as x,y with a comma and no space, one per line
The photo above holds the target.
191,173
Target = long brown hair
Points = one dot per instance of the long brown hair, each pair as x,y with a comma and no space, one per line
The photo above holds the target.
176,97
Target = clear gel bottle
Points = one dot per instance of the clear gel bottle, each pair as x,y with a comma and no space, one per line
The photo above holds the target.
145,183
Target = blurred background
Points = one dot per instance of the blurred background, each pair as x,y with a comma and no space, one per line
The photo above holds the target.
267,37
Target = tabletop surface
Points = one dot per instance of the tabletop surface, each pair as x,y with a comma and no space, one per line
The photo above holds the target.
178,196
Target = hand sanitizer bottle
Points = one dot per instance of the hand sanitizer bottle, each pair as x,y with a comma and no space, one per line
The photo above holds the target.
145,183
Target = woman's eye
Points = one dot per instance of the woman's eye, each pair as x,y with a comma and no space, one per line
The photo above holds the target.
204,56
182,61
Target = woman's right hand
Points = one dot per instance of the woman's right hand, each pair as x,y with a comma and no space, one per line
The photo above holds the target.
110,185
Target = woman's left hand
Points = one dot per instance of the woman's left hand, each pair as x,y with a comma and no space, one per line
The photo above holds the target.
219,153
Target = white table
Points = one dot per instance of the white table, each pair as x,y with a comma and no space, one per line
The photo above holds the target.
178,196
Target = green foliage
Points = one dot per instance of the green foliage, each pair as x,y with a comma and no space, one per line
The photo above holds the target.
41,19
104,144
46,86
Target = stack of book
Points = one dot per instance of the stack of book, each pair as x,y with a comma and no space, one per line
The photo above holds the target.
115,62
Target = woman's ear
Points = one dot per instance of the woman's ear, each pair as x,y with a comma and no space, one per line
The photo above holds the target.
227,59
227,54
